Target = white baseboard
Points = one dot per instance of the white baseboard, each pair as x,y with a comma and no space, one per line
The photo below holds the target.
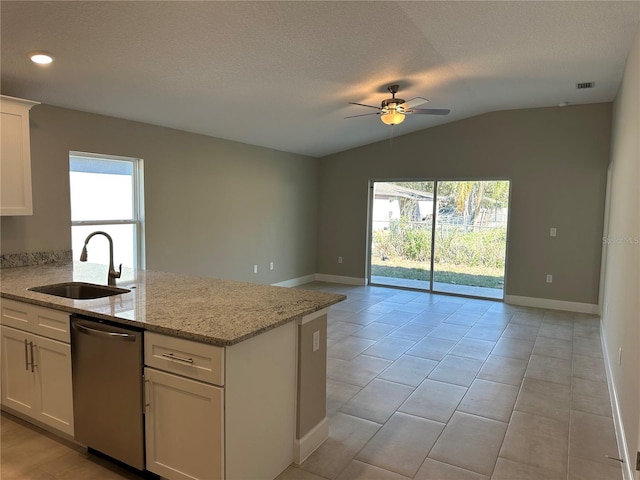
311,441
551,304
623,450
295,282
323,277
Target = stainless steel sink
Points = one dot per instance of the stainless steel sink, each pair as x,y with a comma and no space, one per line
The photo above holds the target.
79,290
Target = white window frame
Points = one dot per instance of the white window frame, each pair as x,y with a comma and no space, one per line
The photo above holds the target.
138,204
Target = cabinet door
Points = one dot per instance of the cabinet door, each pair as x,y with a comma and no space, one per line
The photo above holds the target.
53,368
42,392
15,157
184,427
19,383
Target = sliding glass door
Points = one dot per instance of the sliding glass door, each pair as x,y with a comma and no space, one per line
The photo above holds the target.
444,236
471,237
402,233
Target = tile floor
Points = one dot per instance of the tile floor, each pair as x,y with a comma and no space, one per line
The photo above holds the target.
426,387
423,386
30,453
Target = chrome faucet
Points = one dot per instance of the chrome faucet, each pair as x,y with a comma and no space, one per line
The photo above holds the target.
113,274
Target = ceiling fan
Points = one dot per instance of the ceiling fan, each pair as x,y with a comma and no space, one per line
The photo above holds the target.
393,110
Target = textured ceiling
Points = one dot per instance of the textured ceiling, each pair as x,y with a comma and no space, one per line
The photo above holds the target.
281,74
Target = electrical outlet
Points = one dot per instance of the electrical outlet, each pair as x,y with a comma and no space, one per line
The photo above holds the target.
552,232
316,340
255,269
339,259
549,278
271,266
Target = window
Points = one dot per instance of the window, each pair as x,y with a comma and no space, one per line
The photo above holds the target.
107,194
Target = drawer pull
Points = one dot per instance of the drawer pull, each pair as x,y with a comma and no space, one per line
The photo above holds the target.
26,354
28,349
33,358
171,356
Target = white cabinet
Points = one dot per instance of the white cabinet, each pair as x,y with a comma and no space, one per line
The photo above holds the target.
34,319
36,378
220,412
184,427
184,421
36,364
19,384
15,156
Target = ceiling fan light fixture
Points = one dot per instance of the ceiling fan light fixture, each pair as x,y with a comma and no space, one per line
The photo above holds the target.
393,117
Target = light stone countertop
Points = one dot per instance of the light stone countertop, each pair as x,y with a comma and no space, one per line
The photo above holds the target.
219,312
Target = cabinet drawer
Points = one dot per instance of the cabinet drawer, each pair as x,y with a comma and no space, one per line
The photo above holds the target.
199,361
39,320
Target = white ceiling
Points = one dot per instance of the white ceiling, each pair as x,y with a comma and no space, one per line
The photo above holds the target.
281,74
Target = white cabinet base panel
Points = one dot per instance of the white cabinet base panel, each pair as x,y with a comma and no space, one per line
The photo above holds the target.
260,402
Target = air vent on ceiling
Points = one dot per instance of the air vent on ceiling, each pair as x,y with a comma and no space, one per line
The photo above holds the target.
580,86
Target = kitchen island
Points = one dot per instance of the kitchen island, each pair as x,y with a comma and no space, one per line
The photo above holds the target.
269,344
219,312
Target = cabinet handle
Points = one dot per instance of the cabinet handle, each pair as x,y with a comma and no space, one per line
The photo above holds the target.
26,355
31,363
104,334
147,402
32,347
171,356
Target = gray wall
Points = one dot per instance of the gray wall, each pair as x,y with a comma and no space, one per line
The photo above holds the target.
312,376
621,304
556,159
213,207
216,208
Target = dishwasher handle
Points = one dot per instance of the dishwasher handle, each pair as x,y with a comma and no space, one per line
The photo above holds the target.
126,337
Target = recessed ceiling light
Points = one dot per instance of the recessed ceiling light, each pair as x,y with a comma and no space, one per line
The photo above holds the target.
41,58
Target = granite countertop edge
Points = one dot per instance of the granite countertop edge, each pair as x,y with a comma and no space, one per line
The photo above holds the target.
216,329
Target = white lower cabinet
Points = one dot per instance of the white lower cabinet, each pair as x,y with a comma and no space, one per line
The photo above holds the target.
184,418
220,412
36,378
184,427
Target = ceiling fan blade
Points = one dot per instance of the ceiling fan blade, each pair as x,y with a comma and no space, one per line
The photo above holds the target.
414,102
363,105
362,115
429,111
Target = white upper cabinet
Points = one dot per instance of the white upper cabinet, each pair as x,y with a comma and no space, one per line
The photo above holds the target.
15,156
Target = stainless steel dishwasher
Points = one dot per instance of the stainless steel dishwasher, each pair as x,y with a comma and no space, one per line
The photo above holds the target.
107,389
